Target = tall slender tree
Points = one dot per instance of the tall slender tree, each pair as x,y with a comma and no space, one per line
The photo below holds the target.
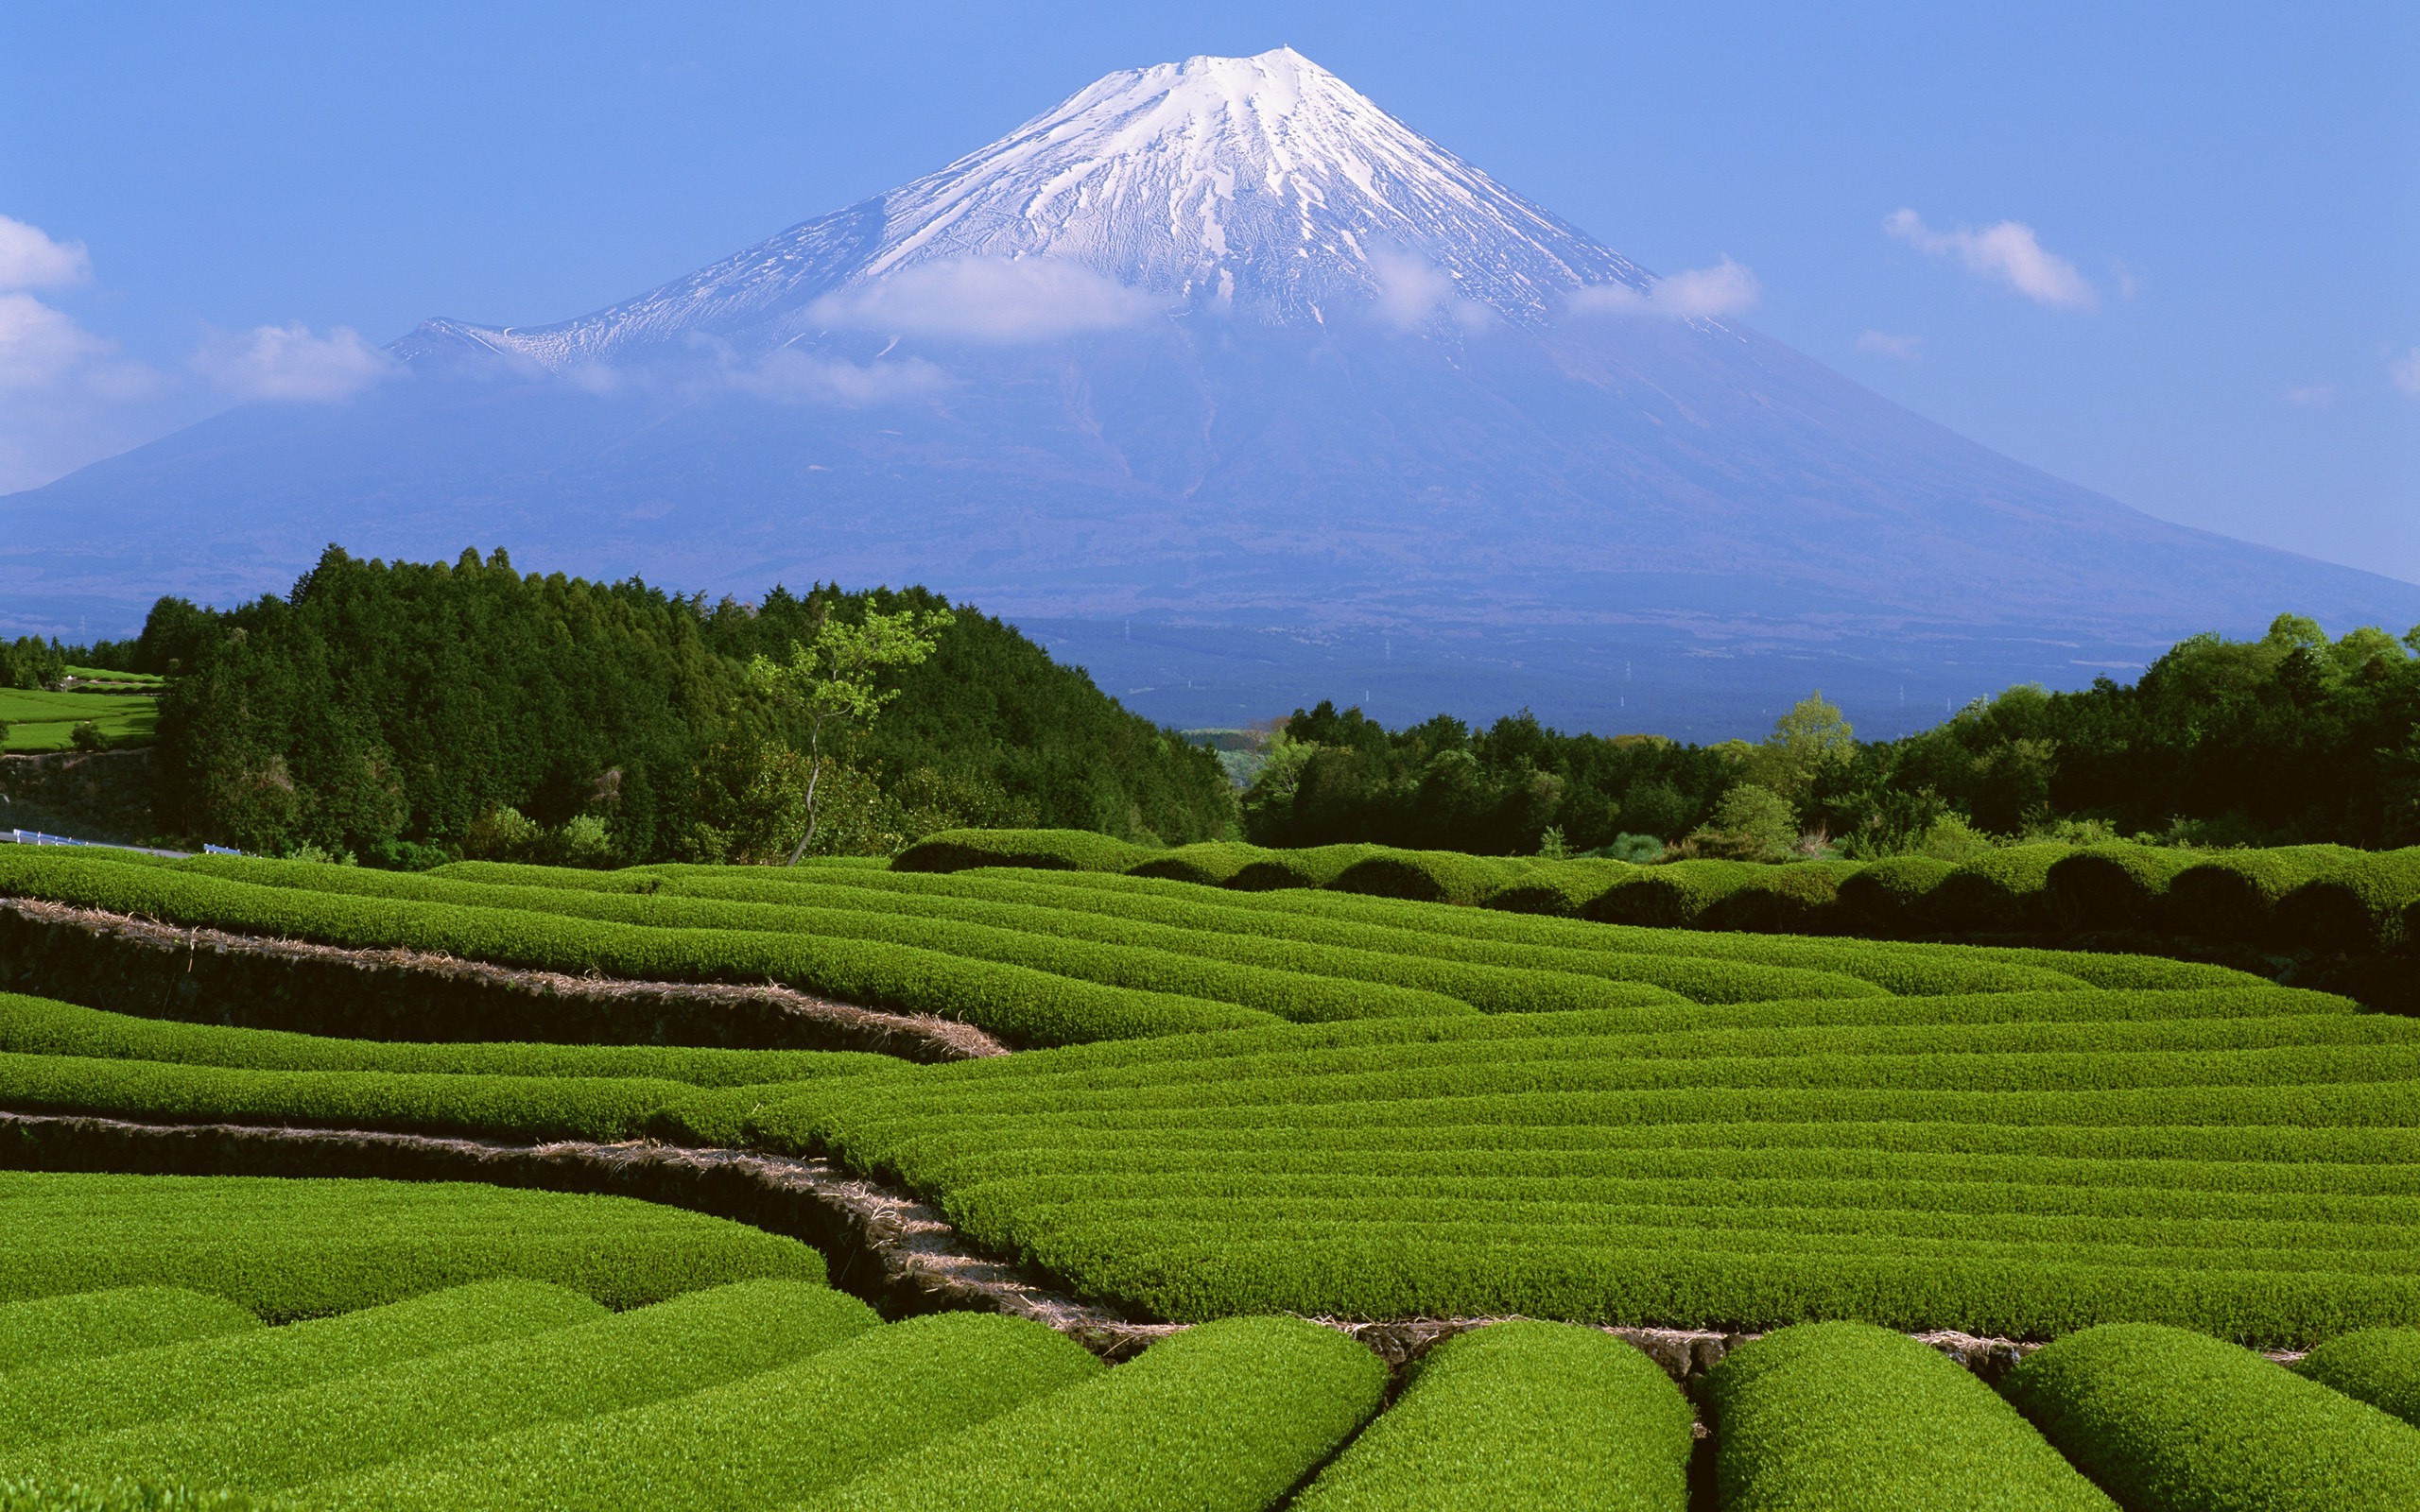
830,681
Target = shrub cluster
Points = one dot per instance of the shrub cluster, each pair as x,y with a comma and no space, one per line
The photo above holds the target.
1848,1414
369,1419
2380,1366
2168,1421
2325,898
1520,1418
68,1398
340,1427
759,1441
1224,1417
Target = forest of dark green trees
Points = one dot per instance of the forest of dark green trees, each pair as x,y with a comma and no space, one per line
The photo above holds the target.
401,712
2293,737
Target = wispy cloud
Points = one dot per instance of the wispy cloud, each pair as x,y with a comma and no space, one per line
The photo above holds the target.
289,362
1698,293
1883,344
30,260
2405,370
1411,289
805,378
67,396
982,299
2007,252
2313,396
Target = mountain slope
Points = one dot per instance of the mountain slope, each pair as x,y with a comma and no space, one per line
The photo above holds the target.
1218,344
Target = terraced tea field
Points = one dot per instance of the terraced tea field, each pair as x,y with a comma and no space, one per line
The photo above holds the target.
663,1129
39,720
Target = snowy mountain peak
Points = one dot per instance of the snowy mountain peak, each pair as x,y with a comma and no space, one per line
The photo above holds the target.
1265,180
1265,185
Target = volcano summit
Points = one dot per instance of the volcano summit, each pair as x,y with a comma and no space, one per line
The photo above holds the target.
1238,391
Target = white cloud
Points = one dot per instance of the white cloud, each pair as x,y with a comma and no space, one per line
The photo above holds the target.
2405,370
30,260
1031,299
803,378
2008,251
1411,288
2313,396
40,346
1698,293
66,397
287,362
1883,344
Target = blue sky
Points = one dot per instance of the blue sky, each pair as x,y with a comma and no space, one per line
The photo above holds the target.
2207,305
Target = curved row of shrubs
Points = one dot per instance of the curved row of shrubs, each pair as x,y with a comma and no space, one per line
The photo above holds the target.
2324,897
287,1248
1019,1003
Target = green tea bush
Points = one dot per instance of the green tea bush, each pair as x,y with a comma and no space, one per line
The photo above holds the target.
1427,876
1520,1418
1562,888
40,1496
1834,1416
2356,907
41,1027
2233,895
2003,891
758,1442
81,1325
289,1248
1672,896
2167,1420
1799,899
1210,863
1312,867
267,1444
520,1109
1050,850
2380,1366
1224,1417
2114,885
69,1398
1893,896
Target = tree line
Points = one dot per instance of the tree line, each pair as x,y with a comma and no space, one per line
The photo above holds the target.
2293,737
404,712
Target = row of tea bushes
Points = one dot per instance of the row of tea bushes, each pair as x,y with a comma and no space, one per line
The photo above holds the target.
341,1425
43,1026
77,1325
2168,1421
2326,897
2246,1176
1022,1003
71,1397
284,1248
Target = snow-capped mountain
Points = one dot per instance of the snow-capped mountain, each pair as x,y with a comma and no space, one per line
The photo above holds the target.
1262,186
1221,353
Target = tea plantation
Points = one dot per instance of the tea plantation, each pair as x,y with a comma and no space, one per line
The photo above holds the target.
1264,1098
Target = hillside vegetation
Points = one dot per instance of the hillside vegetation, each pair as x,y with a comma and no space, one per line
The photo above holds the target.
406,712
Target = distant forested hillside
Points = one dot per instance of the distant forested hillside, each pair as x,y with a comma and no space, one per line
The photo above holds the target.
400,710
2293,737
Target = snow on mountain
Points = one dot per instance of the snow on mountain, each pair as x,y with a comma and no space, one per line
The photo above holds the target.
1265,186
